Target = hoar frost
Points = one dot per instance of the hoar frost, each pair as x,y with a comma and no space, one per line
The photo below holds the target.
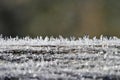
60,58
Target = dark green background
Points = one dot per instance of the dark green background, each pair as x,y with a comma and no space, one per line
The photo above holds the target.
59,17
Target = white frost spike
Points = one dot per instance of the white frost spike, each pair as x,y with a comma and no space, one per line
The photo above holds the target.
46,39
101,37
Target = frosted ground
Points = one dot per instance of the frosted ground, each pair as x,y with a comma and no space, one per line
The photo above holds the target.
60,58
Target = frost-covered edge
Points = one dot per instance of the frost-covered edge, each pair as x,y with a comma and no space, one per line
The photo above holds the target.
59,41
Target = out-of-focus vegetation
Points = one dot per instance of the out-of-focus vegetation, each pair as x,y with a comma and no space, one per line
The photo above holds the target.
59,17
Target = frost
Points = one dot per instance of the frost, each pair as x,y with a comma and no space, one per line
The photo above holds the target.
60,41
60,58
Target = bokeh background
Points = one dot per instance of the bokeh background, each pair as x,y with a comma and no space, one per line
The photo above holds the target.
59,17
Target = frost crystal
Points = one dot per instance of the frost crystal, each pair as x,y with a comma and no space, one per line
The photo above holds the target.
60,58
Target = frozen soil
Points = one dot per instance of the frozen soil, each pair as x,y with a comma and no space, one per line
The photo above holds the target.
96,60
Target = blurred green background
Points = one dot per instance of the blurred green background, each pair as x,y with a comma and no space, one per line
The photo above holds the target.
59,17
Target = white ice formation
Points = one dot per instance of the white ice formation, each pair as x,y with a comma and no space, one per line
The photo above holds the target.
60,58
